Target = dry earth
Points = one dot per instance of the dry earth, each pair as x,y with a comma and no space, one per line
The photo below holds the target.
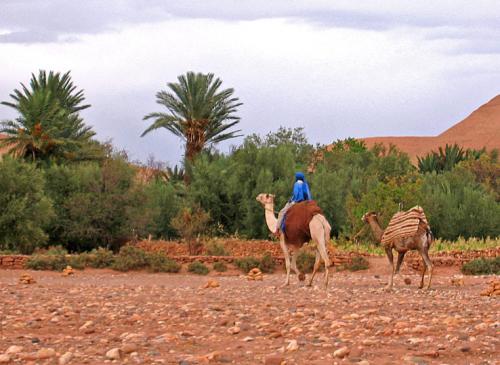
170,319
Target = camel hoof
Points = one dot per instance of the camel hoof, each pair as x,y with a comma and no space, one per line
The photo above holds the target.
388,288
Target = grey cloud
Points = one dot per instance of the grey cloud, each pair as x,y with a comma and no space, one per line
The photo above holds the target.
33,21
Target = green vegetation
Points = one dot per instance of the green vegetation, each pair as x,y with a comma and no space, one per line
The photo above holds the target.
215,249
220,266
198,112
65,188
130,258
197,267
159,262
265,264
482,267
305,262
357,263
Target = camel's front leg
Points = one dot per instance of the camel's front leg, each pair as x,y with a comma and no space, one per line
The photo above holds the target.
293,265
317,262
287,259
388,252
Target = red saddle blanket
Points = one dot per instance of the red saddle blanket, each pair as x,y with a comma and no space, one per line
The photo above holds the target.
297,221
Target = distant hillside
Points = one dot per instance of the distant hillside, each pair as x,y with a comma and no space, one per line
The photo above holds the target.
480,129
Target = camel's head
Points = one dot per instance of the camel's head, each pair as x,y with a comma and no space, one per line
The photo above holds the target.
367,216
265,198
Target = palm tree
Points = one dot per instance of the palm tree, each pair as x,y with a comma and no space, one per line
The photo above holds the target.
49,124
198,112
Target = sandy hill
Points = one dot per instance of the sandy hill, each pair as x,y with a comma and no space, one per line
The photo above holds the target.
480,129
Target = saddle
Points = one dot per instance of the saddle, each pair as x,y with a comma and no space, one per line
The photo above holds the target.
296,222
403,225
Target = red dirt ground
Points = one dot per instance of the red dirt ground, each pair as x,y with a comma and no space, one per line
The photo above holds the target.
171,319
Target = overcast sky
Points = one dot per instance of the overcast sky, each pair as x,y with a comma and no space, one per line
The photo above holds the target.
337,68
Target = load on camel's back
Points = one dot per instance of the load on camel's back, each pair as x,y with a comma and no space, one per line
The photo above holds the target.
303,221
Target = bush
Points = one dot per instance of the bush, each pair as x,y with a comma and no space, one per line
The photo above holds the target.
220,267
266,264
159,262
190,222
198,268
47,262
216,249
130,258
305,261
24,208
482,267
100,258
52,250
357,263
246,264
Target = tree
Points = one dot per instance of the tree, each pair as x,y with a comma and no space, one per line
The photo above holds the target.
25,210
49,124
198,112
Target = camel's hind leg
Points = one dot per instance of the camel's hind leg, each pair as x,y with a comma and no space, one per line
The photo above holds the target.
428,264
317,262
401,256
390,257
287,259
320,232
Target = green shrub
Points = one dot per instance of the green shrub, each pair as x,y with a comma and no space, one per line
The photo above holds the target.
266,264
159,262
216,249
198,268
52,250
25,210
247,263
305,262
482,267
357,263
47,262
220,266
78,262
100,258
130,258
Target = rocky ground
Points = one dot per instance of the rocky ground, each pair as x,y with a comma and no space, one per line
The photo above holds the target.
101,317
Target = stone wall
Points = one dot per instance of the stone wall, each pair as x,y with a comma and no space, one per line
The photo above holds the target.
451,258
13,261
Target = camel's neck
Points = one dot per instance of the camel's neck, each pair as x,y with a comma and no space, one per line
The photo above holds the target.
376,229
271,219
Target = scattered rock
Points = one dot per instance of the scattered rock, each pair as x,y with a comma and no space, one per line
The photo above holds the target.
26,279
66,358
68,271
407,281
255,274
114,354
457,280
129,347
292,346
342,352
493,289
211,284
4,358
274,360
234,330
14,350
45,353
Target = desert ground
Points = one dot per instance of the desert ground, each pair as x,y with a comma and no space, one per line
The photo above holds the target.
103,317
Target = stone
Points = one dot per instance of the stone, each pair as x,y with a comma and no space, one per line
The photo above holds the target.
14,350
211,284
127,348
234,330
114,354
66,358
341,352
4,359
292,346
46,353
274,360
407,281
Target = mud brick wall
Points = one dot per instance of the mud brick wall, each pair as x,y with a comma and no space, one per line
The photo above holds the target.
451,258
13,261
